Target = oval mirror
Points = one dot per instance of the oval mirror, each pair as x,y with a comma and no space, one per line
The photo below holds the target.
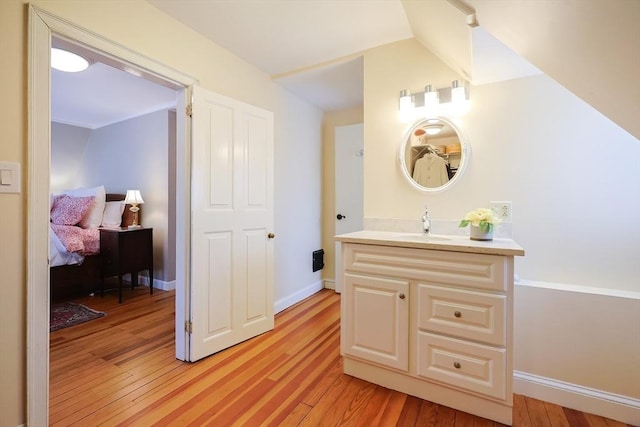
433,154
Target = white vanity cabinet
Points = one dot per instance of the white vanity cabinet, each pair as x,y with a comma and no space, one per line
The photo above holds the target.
433,320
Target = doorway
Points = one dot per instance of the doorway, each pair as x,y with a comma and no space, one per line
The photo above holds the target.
349,175
42,27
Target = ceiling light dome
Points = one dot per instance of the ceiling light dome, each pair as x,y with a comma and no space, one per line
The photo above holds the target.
433,129
66,61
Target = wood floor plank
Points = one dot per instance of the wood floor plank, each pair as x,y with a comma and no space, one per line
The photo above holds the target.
294,417
374,410
410,412
595,420
427,415
537,412
556,415
520,412
350,403
326,402
273,407
393,408
464,419
446,417
575,418
121,370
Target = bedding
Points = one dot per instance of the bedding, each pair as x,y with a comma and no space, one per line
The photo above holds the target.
93,217
76,216
67,210
112,214
75,274
83,241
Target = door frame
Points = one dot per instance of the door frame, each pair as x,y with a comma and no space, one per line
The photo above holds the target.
42,26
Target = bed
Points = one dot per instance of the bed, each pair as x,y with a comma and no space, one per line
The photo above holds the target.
74,247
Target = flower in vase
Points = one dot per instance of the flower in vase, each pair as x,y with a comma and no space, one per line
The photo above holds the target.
483,218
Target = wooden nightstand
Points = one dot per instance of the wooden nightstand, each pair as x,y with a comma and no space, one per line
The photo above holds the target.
126,250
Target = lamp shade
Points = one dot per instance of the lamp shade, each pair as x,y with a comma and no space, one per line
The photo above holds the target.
133,197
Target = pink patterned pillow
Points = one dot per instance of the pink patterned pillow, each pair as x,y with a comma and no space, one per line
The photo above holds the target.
67,210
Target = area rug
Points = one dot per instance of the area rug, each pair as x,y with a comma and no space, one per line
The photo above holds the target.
69,313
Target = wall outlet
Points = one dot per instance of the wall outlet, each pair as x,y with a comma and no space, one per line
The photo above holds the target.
502,209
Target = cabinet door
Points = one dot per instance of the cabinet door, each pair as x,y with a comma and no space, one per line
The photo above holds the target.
376,320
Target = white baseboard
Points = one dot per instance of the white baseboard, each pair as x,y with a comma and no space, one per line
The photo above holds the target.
157,284
614,406
289,300
329,284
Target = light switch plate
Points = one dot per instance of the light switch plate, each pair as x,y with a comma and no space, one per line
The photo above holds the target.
9,177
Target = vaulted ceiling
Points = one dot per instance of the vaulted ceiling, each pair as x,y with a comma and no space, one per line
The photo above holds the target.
313,48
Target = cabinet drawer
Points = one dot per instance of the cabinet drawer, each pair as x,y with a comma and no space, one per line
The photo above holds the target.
451,268
467,314
474,367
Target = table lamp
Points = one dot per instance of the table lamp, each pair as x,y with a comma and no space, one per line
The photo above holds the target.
134,199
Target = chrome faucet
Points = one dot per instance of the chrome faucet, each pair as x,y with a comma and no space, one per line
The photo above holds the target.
426,221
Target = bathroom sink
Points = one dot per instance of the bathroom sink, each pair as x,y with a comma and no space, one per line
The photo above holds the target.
423,237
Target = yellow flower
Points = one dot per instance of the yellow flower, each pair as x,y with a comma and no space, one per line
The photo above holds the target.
482,217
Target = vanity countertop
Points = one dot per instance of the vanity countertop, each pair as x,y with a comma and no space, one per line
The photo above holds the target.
436,242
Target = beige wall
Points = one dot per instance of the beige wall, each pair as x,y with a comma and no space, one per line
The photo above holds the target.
144,29
574,206
12,213
332,120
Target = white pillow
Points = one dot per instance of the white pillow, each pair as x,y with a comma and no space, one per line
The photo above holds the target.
112,214
93,217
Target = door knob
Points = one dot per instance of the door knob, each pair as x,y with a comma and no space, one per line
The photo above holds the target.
271,235
340,216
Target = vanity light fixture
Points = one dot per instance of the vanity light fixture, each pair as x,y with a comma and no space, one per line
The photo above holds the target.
459,91
431,97
406,101
69,62
433,102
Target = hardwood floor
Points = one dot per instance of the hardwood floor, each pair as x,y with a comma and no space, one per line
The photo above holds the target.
120,370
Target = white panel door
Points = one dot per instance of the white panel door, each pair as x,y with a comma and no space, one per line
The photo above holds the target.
232,222
349,156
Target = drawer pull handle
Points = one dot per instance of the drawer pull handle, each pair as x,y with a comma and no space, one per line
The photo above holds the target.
457,314
457,365
401,296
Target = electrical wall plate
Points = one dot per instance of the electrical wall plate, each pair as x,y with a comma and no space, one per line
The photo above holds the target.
9,177
502,209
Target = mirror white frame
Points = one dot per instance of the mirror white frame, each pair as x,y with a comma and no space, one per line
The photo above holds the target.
465,152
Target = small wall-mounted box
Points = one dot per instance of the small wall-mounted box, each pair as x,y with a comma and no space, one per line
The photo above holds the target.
318,259
9,177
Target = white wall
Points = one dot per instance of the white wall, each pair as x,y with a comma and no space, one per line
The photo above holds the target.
570,172
573,178
67,145
298,193
133,154
142,28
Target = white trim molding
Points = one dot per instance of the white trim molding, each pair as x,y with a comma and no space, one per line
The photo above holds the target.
329,284
621,408
296,297
42,27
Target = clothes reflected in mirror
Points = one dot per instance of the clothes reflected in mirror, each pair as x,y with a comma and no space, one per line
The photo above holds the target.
431,170
433,154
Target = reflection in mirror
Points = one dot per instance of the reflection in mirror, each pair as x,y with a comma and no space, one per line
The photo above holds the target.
433,154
